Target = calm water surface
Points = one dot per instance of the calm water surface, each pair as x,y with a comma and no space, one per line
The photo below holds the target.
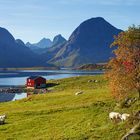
15,78
5,97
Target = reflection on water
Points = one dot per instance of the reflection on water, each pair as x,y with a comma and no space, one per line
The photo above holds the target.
19,96
5,97
16,78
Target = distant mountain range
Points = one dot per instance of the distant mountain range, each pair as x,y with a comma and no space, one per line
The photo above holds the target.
14,53
45,43
58,39
89,43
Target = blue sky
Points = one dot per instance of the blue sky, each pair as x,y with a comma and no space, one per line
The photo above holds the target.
31,20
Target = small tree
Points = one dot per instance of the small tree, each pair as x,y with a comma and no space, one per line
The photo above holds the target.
124,72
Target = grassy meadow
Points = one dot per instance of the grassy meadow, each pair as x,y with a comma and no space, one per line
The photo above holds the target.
61,115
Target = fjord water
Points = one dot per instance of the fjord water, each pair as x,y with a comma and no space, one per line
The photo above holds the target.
18,77
5,97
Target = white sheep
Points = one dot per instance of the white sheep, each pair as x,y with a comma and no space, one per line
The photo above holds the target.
114,115
78,93
3,116
124,116
2,119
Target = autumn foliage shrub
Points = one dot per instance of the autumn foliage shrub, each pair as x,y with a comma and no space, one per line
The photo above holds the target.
124,68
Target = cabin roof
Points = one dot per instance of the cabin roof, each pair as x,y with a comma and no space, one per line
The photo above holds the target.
34,77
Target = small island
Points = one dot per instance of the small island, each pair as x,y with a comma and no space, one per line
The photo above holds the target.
98,66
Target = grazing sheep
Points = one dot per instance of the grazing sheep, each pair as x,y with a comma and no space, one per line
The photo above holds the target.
114,115
78,93
3,116
95,81
2,119
89,81
124,116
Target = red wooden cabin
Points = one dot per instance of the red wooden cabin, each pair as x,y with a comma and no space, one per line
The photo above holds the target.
36,82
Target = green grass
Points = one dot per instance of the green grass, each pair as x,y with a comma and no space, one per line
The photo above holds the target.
60,115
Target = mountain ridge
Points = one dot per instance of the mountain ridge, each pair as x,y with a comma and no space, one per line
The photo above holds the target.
41,47
89,43
14,53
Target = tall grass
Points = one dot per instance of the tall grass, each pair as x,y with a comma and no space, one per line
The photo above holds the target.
60,115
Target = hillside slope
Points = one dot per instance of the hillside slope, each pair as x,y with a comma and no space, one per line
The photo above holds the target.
43,46
62,115
14,53
89,43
